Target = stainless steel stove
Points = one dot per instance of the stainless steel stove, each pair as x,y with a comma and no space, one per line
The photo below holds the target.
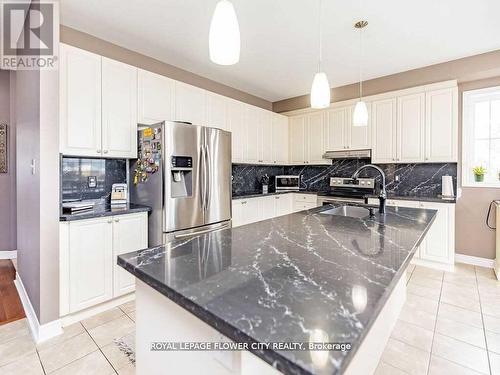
345,189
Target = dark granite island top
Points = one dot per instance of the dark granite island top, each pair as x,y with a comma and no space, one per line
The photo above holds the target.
104,210
283,279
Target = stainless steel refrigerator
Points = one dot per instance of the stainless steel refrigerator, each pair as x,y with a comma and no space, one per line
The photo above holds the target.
183,172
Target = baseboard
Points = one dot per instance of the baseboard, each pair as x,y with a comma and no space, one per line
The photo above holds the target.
9,254
78,316
476,261
430,264
40,332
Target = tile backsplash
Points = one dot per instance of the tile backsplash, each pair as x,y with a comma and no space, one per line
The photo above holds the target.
76,171
413,179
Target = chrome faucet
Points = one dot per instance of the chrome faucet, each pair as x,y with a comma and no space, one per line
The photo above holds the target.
382,197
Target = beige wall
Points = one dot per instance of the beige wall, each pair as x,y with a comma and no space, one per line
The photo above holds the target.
101,47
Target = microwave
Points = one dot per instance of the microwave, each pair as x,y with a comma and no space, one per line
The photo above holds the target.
287,182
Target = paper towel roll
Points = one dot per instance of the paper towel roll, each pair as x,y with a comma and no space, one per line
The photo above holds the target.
447,186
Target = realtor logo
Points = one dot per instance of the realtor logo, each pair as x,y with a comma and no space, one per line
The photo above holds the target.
28,33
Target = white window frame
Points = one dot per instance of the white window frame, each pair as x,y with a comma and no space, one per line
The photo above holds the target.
468,136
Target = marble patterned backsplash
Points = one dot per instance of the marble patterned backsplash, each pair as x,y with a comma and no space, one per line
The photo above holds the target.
75,172
417,179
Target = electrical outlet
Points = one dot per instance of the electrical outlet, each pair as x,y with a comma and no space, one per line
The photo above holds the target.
396,178
92,182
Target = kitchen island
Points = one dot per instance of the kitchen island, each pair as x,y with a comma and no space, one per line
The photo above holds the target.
300,278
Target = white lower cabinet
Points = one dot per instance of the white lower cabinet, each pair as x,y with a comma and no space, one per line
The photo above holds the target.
89,274
251,210
438,244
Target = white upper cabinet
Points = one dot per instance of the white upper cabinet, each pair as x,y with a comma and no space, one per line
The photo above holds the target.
267,143
297,129
119,109
315,138
384,131
441,125
235,117
217,107
80,102
155,98
253,127
358,137
336,120
190,104
410,128
280,139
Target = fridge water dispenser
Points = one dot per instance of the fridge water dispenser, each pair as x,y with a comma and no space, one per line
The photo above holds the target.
181,176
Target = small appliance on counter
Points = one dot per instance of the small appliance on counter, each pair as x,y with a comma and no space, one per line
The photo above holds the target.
264,180
77,206
287,183
447,187
119,195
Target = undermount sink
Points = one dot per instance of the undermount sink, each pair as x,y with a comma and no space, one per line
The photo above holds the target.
348,211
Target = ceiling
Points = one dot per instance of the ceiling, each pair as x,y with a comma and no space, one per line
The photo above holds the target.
279,38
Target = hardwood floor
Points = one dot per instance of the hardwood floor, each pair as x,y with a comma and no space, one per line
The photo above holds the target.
11,308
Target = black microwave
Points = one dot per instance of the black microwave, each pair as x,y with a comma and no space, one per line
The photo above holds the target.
287,182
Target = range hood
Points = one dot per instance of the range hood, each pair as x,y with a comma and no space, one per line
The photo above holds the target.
348,154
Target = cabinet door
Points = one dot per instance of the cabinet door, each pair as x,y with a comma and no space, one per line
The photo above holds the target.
216,111
155,98
251,210
336,120
190,104
253,128
297,140
237,213
235,114
130,233
384,131
119,109
280,139
267,137
80,102
316,138
410,128
268,207
358,137
283,204
441,125
439,242
91,262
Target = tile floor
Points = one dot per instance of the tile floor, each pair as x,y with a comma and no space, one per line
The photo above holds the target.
450,324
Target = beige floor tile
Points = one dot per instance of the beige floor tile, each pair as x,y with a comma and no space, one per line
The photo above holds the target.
62,354
130,370
422,303
460,315
14,330
488,285
461,353
459,290
14,349
107,332
441,366
491,323
485,273
69,332
102,318
386,369
428,272
411,334
114,355
466,288
462,332
494,363
422,291
128,307
406,357
491,307
420,318
459,279
93,363
27,365
462,301
493,340
425,281
465,269
131,315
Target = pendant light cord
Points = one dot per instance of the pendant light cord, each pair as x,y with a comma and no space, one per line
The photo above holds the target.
360,54
320,37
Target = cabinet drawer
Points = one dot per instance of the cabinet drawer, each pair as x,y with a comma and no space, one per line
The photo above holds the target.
309,198
301,206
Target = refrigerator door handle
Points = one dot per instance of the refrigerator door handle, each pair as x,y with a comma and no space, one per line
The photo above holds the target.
184,235
207,181
202,177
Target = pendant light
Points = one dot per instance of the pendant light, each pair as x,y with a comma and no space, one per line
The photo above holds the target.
320,89
360,115
224,37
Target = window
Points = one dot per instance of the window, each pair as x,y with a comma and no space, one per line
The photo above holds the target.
481,136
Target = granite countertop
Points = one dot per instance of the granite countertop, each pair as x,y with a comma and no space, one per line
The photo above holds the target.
287,278
103,210
254,194
419,198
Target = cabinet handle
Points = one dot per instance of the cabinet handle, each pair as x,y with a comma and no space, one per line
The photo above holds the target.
276,197
426,158
244,202
98,151
110,221
105,151
117,220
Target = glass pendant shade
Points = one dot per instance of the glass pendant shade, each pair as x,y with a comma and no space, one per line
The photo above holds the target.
360,115
224,37
320,91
